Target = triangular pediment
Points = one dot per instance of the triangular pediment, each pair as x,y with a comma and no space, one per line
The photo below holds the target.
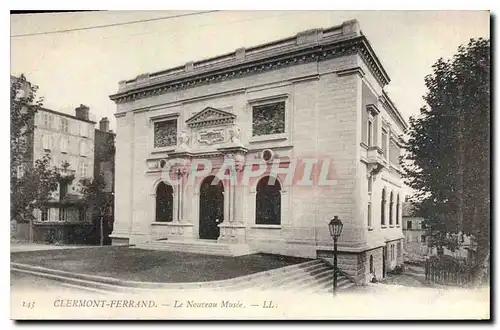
209,117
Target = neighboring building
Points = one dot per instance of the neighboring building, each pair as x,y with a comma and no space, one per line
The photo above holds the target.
104,166
414,231
69,140
416,240
316,95
104,154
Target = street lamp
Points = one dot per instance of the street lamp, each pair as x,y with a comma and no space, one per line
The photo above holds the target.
335,227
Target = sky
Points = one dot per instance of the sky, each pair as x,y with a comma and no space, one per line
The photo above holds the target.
84,67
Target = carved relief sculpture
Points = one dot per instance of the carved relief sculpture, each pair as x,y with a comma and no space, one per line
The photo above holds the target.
183,140
165,134
268,119
234,133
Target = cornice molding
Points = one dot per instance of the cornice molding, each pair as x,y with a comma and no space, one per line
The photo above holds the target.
237,69
350,71
173,115
392,110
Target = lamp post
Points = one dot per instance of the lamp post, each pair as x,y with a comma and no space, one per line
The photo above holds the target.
335,227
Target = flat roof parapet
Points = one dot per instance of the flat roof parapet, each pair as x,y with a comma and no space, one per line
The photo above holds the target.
302,41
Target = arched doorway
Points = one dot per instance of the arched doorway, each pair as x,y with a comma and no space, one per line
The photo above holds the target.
211,208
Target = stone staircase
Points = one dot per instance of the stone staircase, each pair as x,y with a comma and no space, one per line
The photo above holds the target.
200,246
315,276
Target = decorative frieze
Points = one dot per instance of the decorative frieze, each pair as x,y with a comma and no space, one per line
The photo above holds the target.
281,58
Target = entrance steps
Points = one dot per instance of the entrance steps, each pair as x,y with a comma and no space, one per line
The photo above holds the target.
200,246
314,276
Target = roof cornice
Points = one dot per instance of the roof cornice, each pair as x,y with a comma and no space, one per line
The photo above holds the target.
393,111
309,46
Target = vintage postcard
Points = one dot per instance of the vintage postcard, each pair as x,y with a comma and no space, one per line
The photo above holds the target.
279,165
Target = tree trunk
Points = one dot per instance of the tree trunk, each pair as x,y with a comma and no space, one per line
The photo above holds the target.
31,231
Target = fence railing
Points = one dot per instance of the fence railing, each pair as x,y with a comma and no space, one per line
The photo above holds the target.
447,272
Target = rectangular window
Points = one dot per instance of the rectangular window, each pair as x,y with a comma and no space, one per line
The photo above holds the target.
47,142
45,214
369,215
62,214
394,153
399,249
84,129
384,144
64,125
268,119
370,184
47,120
408,224
83,148
83,170
165,133
423,238
64,145
370,133
63,190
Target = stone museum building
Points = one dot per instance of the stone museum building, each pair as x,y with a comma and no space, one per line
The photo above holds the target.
258,149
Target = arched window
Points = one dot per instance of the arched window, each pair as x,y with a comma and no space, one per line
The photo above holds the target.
397,211
268,202
371,264
382,208
391,205
164,203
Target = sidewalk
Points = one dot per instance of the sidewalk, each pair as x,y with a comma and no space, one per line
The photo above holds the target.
24,247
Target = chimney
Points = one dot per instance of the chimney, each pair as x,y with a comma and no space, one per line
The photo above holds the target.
82,112
104,124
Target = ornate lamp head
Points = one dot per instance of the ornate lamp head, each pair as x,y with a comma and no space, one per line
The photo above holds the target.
335,227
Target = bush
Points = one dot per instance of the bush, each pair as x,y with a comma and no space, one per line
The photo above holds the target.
51,236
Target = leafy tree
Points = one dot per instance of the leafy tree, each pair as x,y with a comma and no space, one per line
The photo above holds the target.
448,152
31,182
98,201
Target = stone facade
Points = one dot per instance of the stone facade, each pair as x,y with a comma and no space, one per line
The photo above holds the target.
330,83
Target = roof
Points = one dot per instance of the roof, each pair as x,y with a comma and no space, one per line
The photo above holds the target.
310,45
67,115
408,209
